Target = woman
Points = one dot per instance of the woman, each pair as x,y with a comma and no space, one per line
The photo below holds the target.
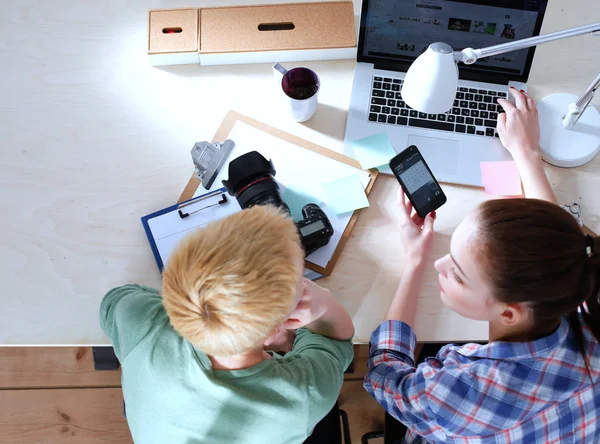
525,266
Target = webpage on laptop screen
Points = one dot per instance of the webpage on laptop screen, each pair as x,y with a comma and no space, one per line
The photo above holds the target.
403,29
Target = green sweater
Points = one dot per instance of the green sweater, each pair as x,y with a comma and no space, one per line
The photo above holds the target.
173,395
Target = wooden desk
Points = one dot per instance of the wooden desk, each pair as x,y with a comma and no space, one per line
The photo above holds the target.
92,138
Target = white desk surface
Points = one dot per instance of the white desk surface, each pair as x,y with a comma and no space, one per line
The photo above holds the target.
92,138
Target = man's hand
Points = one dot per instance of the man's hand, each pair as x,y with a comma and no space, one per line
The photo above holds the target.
518,126
320,313
417,232
281,342
314,303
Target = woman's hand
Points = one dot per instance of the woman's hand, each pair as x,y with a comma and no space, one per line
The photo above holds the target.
519,132
416,232
518,127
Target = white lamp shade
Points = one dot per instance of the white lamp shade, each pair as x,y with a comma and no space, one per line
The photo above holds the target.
431,81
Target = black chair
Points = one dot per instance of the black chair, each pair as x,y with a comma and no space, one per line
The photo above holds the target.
393,432
330,431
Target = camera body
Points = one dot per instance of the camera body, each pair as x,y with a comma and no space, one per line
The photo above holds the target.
251,181
315,229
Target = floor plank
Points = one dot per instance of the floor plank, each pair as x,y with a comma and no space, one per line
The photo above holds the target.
43,367
364,413
66,412
82,416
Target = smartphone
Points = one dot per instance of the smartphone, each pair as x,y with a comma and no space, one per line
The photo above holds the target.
417,181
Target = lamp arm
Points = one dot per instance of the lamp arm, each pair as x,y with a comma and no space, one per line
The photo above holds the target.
577,108
470,55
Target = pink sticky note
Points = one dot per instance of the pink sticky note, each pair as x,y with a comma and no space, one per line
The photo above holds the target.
501,178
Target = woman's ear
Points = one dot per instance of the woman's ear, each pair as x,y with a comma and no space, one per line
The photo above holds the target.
516,314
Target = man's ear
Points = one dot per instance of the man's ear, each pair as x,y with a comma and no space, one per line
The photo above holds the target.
515,314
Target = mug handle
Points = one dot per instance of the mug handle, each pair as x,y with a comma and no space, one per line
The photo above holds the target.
279,71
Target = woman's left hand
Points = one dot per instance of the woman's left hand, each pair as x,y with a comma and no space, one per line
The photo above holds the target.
417,232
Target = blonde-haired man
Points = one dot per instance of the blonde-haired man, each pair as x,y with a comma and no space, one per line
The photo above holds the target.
194,365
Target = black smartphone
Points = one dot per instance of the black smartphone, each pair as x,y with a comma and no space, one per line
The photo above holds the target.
417,181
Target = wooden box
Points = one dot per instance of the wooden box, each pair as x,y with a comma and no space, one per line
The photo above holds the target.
252,34
173,36
277,33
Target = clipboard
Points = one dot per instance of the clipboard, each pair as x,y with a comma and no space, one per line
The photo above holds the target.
215,204
211,206
223,133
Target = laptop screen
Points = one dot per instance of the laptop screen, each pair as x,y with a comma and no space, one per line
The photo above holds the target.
398,31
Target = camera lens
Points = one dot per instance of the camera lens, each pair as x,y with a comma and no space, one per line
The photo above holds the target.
251,182
262,191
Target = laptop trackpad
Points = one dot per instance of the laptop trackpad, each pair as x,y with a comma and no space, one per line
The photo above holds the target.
440,154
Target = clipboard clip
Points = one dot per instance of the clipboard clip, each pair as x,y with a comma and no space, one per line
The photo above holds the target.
195,200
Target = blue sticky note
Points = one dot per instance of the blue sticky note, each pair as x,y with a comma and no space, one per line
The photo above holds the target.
296,200
346,194
373,151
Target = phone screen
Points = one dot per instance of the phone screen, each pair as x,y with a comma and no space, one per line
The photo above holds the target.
419,184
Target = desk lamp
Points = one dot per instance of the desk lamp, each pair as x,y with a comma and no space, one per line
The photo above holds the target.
431,81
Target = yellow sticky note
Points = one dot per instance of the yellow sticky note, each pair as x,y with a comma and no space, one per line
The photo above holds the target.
501,178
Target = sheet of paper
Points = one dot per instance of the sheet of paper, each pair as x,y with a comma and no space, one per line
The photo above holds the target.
299,169
346,194
373,151
501,178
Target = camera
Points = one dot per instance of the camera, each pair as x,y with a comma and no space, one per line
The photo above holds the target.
251,181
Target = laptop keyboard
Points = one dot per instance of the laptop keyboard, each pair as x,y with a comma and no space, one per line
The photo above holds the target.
474,111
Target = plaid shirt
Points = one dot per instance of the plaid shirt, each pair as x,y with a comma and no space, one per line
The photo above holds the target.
502,392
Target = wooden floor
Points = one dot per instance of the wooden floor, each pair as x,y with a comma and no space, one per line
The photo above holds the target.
53,395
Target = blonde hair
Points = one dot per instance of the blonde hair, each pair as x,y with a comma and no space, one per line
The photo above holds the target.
228,286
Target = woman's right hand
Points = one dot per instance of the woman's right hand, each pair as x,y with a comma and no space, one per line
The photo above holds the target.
518,126
519,132
416,232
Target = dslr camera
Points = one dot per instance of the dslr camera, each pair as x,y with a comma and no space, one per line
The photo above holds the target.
251,181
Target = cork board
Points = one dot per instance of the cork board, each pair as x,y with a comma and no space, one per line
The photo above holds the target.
282,27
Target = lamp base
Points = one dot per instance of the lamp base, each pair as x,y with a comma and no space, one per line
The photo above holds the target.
567,148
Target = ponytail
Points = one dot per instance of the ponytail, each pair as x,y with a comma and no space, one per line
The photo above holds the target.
590,307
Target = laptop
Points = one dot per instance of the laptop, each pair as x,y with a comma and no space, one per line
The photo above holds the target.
394,32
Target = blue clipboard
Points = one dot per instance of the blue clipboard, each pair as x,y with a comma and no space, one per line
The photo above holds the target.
183,214
177,207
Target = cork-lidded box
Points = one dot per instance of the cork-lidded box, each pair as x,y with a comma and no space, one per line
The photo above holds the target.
173,36
252,34
277,33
